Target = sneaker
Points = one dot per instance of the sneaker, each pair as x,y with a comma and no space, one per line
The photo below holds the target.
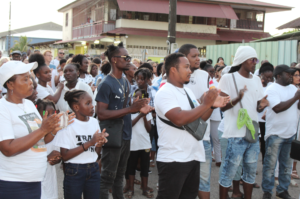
267,195
284,195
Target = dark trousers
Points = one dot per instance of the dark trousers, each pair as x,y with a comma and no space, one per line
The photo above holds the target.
21,190
114,162
178,180
133,161
262,127
82,178
154,134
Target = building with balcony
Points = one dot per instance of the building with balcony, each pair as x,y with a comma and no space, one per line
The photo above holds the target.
143,24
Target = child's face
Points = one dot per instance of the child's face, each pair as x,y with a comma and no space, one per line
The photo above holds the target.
85,105
138,94
50,110
141,82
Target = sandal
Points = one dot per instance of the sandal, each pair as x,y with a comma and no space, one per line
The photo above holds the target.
149,189
294,183
137,182
295,175
129,194
240,197
147,194
152,164
256,186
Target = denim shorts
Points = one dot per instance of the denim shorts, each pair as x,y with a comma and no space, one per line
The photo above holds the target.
24,190
205,168
238,150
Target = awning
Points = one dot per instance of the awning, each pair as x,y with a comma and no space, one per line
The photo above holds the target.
79,40
239,36
183,8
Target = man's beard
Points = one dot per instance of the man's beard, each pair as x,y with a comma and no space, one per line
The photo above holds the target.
186,82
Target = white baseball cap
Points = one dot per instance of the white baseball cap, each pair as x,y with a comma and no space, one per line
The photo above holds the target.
242,54
12,68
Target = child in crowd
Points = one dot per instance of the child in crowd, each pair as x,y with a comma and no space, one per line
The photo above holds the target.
80,143
139,148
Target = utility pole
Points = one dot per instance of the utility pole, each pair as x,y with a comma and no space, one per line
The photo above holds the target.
172,23
9,29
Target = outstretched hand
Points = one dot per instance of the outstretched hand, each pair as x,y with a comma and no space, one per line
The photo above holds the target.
263,103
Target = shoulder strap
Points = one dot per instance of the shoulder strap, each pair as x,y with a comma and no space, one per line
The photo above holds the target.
170,123
126,92
237,92
190,101
208,81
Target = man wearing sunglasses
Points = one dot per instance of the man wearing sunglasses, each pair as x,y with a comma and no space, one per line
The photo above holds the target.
60,55
246,93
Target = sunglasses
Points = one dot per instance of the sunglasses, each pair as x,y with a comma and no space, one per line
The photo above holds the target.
126,57
254,60
62,53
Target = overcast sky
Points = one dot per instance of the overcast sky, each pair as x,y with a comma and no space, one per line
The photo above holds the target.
32,12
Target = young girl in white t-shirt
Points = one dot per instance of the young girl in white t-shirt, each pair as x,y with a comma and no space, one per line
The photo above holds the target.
139,148
80,143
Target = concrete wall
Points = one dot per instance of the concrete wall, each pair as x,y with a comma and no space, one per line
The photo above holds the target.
155,25
67,31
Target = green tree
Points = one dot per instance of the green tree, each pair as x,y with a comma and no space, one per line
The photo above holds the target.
22,44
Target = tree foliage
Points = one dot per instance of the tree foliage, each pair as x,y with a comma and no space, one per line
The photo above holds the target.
22,44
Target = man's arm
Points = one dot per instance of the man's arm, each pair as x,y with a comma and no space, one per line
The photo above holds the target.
283,106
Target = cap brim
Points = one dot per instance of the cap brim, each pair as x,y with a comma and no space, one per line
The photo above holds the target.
291,70
27,68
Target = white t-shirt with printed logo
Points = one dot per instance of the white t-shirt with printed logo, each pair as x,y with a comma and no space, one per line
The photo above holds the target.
75,135
87,79
283,124
43,92
140,138
16,121
175,145
199,85
253,94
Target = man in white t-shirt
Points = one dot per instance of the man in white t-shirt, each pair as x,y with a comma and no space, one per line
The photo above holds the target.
281,127
199,85
179,154
250,95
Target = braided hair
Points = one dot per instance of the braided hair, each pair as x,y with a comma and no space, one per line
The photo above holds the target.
73,96
42,104
112,50
145,72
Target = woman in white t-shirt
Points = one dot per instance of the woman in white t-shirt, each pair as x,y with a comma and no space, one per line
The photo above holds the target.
43,74
23,153
83,70
139,148
80,144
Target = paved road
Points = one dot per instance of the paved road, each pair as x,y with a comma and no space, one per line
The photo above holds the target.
153,178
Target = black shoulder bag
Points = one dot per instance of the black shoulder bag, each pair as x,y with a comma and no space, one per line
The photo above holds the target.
114,127
248,136
196,128
295,147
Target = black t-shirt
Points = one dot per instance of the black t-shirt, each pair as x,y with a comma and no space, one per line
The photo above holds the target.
110,92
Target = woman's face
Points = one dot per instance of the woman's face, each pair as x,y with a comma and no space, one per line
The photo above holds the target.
70,73
44,74
131,70
22,86
94,70
154,67
84,65
296,78
136,63
267,77
211,72
33,96
141,81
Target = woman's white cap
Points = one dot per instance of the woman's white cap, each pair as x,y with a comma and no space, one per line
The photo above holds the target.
12,68
242,54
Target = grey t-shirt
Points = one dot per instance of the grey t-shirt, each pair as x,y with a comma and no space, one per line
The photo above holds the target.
110,92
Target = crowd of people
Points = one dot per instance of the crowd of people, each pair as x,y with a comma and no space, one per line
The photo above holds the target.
105,118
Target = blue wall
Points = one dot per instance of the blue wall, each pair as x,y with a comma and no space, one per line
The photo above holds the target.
33,40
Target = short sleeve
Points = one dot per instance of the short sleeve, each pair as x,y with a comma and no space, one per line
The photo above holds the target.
103,94
42,93
62,139
273,97
7,131
224,84
166,101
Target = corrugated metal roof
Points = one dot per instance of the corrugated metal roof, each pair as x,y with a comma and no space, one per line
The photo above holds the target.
289,36
292,24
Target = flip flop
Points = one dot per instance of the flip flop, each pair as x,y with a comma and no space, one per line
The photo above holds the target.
147,194
240,197
137,182
129,194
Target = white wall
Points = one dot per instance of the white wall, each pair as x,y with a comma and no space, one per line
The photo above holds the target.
67,31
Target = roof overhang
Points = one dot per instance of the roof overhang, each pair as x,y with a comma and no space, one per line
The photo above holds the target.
73,5
79,40
292,24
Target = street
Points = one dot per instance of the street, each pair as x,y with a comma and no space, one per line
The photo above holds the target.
153,179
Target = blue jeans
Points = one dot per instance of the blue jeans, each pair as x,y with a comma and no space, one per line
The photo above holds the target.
277,148
23,190
82,178
239,150
224,143
205,168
